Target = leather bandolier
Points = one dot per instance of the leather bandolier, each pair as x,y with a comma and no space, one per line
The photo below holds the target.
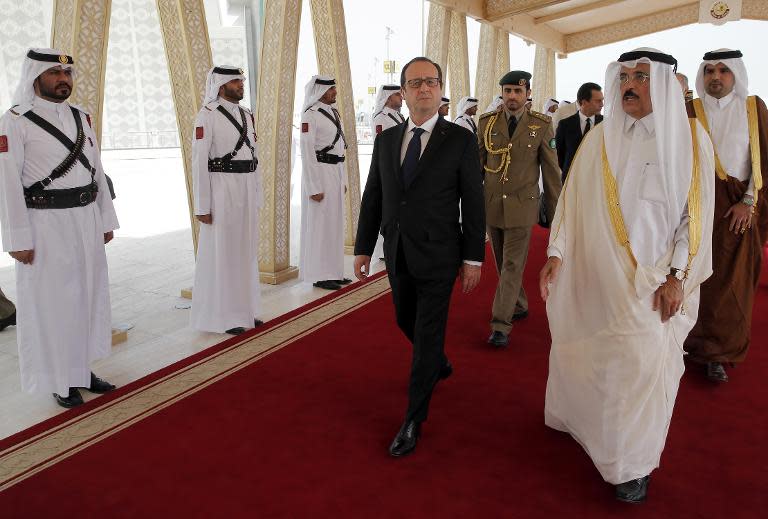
225,164
323,155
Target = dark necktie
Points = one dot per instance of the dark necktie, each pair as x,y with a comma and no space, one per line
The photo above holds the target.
587,127
412,154
512,124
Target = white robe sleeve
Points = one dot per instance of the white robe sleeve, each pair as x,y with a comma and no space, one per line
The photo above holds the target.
308,159
103,198
201,177
680,255
16,227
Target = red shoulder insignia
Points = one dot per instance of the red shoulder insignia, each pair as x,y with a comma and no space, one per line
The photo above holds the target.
304,127
88,118
3,143
378,129
199,132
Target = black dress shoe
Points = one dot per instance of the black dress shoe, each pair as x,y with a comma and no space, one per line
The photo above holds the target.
716,372
498,339
520,315
73,399
235,331
99,386
446,371
8,321
327,284
257,322
405,441
343,281
634,491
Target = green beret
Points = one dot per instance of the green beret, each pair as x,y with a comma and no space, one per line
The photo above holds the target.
516,77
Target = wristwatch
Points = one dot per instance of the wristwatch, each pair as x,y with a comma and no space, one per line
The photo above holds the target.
678,273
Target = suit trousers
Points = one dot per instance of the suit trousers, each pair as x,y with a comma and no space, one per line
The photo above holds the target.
510,250
421,310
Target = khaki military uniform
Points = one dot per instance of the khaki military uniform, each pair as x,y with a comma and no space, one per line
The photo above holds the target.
512,199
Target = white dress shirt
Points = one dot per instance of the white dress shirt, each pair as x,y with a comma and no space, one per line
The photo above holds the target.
583,121
727,118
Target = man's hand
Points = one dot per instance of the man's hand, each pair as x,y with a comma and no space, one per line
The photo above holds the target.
205,218
318,197
108,236
362,267
470,277
668,298
24,256
548,275
741,218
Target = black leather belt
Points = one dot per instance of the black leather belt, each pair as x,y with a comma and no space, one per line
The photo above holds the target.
232,166
327,158
61,198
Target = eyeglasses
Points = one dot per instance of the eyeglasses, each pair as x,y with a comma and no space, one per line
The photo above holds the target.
639,77
431,82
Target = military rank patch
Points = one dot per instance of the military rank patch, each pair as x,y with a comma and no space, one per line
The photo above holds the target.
552,143
378,129
199,132
3,143
304,127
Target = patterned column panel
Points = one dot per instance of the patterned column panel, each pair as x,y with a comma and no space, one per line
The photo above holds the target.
486,80
277,81
188,51
22,26
333,60
543,77
81,28
438,34
502,57
458,60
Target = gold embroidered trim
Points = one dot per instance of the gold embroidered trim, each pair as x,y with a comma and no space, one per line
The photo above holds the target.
505,159
701,115
611,190
754,145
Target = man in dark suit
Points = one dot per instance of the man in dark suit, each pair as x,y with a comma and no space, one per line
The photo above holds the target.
413,198
572,129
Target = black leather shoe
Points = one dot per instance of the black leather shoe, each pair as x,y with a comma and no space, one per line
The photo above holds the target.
446,371
74,398
634,491
327,284
235,331
520,315
405,441
716,372
343,281
8,321
99,386
257,322
498,339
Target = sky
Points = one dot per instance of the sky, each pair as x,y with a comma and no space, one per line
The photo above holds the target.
366,21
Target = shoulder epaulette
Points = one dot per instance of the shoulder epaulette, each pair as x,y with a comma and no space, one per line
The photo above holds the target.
541,116
19,110
486,114
80,109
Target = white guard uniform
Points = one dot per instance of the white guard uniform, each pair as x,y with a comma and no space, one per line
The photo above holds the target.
464,119
387,118
322,223
226,292
64,313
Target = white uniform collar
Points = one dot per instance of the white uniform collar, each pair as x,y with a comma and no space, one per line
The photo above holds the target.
428,126
648,123
39,102
229,105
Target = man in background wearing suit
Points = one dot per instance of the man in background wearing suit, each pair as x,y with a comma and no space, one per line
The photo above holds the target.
420,172
572,129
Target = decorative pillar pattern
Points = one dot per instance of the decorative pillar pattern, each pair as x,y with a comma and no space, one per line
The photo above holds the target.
458,60
486,78
543,77
188,51
438,34
502,58
81,28
333,60
277,81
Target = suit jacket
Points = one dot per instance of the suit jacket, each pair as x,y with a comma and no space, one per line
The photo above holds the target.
423,218
568,137
515,203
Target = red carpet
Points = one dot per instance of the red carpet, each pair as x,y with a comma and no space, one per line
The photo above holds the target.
304,433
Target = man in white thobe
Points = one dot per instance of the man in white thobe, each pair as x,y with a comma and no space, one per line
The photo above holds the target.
386,113
445,106
226,295
323,185
551,106
467,110
633,221
56,216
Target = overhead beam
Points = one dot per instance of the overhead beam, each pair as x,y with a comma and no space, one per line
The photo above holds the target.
515,7
574,11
